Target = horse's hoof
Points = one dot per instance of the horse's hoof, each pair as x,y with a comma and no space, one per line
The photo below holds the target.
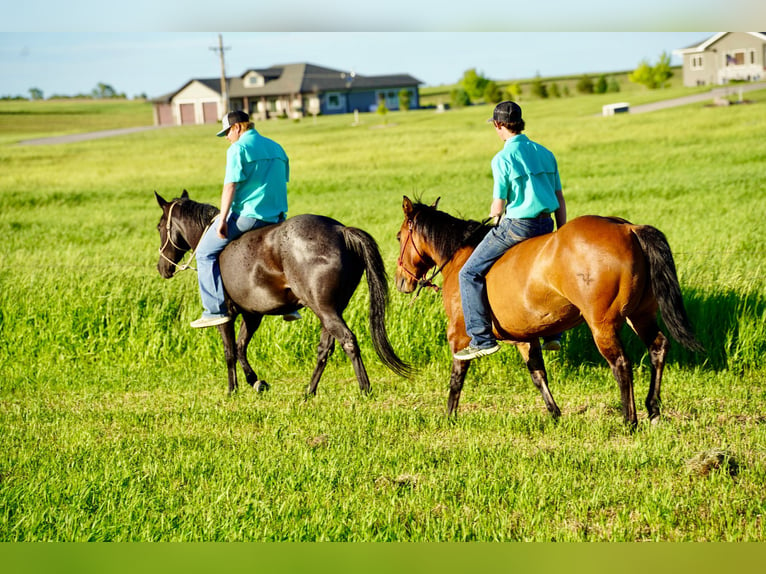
261,386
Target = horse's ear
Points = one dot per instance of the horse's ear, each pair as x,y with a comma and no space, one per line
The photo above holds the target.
407,207
185,195
435,204
160,199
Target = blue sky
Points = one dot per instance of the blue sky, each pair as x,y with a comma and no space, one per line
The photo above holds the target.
155,46
155,63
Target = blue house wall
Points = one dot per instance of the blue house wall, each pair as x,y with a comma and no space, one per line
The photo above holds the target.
364,101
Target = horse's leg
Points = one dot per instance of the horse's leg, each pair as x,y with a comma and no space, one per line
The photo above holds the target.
457,378
533,358
610,347
336,326
324,351
227,336
250,324
657,344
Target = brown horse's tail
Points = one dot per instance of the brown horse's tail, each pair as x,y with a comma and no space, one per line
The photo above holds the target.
364,246
662,270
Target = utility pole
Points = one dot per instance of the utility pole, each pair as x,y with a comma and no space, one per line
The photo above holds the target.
224,91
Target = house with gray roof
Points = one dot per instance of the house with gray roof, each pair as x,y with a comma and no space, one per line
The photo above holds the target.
286,91
725,57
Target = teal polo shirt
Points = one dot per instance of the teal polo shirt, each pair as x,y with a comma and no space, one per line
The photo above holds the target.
526,177
260,169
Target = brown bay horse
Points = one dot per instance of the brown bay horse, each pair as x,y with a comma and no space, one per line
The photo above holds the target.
603,271
306,261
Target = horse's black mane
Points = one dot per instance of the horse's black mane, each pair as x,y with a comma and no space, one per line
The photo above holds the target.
199,213
444,232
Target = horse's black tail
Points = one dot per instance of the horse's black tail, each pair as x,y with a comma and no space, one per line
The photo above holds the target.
363,244
662,270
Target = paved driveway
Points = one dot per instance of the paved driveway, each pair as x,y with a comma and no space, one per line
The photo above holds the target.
86,136
732,90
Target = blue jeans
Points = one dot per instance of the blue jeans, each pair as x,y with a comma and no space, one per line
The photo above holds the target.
473,287
208,272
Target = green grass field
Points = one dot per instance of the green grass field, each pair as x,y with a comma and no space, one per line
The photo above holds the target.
115,424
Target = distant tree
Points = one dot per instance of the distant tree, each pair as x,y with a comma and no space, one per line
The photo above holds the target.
539,89
613,86
382,108
566,91
473,83
652,77
104,91
585,85
404,99
600,86
514,92
554,91
492,93
662,71
459,98
35,93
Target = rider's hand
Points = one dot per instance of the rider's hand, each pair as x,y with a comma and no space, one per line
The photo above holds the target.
223,229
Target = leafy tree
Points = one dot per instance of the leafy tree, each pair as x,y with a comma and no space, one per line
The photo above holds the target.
382,109
473,83
404,99
662,72
600,86
459,98
554,91
36,93
652,77
613,86
514,92
585,85
539,89
492,93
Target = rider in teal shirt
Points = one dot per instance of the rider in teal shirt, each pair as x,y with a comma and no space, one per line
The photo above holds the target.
261,170
526,178
254,195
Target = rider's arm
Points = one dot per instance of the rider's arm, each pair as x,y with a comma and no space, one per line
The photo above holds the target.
561,212
227,196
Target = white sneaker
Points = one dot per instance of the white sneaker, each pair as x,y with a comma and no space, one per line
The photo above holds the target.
210,321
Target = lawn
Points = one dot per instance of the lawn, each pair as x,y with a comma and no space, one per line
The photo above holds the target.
115,424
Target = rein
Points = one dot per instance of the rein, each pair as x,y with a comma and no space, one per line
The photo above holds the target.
168,239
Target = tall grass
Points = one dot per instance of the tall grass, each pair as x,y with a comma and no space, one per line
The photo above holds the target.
114,424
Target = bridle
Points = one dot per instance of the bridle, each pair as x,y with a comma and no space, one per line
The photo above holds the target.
420,281
428,282
169,239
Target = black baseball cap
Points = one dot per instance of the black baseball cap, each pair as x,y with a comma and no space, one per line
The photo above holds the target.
506,112
230,119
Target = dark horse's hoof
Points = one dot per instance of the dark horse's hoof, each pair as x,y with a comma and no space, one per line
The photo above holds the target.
261,386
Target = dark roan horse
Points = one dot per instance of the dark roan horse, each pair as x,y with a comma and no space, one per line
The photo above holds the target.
603,271
306,261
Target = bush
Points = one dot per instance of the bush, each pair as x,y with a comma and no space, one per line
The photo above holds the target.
492,93
459,98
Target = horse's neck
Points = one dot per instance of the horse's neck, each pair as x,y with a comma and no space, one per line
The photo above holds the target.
193,230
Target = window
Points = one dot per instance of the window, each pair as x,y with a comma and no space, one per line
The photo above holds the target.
254,81
697,63
735,58
335,101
